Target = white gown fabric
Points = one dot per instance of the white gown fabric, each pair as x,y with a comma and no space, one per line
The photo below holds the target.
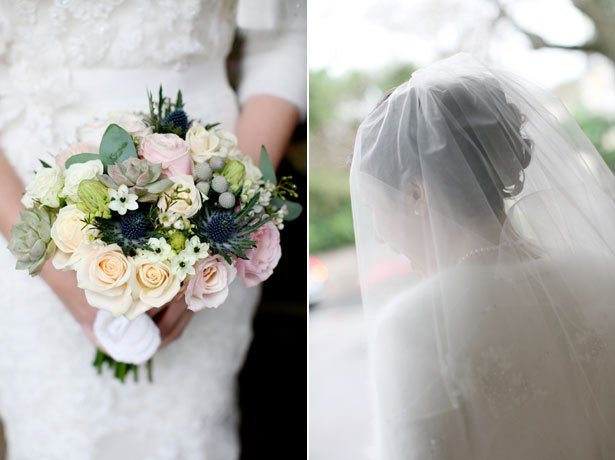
502,409
63,63
484,221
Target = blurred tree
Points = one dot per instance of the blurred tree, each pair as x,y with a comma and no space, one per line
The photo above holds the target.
337,105
600,12
601,132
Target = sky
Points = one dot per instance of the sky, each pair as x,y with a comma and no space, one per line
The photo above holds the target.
368,34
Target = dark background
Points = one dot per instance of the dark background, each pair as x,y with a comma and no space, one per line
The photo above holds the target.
273,381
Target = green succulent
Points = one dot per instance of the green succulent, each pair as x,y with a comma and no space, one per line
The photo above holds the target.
142,178
235,172
93,198
31,242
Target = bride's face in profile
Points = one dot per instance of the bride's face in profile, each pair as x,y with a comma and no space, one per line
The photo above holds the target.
401,223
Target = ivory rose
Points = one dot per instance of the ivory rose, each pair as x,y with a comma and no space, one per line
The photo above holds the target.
104,274
45,187
186,202
79,172
67,233
153,285
263,258
209,287
205,144
170,150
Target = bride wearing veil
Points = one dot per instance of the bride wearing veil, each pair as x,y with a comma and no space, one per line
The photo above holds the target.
485,225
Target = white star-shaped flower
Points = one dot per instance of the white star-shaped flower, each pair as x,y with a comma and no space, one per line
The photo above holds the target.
195,249
182,265
160,248
122,200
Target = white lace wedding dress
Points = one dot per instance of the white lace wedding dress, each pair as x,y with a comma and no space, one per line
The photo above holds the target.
63,63
511,392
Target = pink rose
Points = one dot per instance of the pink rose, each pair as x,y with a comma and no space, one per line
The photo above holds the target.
74,149
263,258
208,288
168,149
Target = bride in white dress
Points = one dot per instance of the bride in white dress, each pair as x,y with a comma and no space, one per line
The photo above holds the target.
485,226
64,63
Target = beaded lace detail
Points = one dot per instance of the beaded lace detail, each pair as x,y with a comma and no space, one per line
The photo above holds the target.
43,42
502,383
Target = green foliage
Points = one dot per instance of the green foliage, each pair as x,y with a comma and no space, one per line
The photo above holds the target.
81,158
597,128
294,209
266,167
330,212
120,370
337,104
268,171
116,146
160,110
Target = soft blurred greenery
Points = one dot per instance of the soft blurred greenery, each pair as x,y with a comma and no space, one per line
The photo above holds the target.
337,105
601,131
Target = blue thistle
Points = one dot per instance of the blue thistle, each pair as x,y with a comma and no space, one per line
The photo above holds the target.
176,122
221,227
134,225
228,232
131,232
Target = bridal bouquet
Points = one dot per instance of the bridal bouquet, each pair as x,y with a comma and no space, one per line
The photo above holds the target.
147,207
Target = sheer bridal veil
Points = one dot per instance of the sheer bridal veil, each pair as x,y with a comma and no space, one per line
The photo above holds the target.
485,231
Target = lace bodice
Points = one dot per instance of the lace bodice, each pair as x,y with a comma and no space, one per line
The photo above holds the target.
52,53
57,34
63,62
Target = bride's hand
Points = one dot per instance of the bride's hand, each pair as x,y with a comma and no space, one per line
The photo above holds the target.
64,284
172,319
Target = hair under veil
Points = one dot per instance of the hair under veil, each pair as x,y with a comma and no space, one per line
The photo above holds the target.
485,229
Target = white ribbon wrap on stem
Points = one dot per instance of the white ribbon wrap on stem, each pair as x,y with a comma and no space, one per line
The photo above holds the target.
127,341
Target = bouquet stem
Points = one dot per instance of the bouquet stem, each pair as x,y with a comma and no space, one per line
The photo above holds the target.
120,369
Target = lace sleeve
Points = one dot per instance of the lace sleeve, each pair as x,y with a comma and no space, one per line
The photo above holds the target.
415,418
275,51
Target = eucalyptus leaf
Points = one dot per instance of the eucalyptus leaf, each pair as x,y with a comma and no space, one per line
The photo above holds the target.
266,167
116,145
82,158
294,208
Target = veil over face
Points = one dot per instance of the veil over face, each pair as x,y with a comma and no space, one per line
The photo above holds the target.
468,168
